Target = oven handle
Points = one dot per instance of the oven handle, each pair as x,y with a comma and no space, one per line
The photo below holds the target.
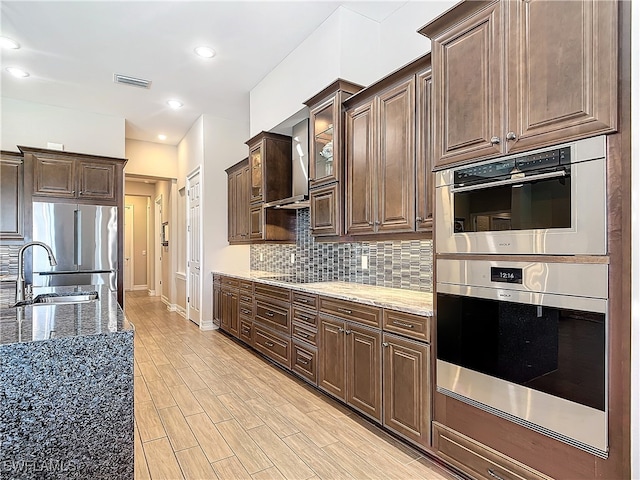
511,181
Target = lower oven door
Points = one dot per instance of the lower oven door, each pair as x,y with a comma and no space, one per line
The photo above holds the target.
538,359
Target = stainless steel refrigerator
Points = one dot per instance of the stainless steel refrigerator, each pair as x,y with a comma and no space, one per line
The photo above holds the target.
84,239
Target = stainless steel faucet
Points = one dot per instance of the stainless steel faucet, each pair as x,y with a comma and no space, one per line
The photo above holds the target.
21,286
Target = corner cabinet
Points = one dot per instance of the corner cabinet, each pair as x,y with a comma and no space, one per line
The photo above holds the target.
238,179
380,158
326,152
15,194
514,76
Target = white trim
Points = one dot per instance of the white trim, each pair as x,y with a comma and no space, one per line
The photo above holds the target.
199,171
157,248
129,233
166,301
180,311
140,287
152,293
181,276
208,325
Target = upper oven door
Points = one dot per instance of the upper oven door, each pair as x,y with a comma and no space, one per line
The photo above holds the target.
553,212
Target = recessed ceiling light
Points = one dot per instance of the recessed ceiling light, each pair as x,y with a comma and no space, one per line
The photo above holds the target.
6,42
17,72
205,52
175,104
162,137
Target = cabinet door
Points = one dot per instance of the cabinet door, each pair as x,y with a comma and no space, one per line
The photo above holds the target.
364,372
54,177
232,208
424,154
322,167
217,303
325,211
407,405
96,181
331,356
396,162
562,71
256,222
234,323
468,88
12,197
360,170
242,201
225,311
256,165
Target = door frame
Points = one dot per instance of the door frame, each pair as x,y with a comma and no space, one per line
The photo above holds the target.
157,246
130,237
190,175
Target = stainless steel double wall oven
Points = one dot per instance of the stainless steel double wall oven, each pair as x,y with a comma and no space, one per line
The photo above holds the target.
522,289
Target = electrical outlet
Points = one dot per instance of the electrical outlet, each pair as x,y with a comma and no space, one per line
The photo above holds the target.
365,262
293,258
261,257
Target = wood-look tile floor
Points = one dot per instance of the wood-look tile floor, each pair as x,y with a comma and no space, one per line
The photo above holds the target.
208,408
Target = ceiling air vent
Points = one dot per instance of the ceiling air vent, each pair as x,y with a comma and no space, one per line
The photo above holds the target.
131,81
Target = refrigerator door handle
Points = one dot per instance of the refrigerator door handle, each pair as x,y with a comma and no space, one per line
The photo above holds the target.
77,246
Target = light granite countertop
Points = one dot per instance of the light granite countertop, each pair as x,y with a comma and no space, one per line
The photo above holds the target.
410,301
32,323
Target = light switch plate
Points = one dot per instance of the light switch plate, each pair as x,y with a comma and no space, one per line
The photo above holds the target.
55,146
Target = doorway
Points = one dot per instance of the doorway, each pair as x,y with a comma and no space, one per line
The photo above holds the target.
158,245
129,264
194,250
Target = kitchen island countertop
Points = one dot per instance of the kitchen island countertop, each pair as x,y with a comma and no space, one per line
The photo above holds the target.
410,301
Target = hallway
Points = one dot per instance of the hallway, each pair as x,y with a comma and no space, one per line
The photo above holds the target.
208,408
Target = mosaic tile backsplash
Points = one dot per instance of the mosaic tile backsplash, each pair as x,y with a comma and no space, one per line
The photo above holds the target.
398,264
9,259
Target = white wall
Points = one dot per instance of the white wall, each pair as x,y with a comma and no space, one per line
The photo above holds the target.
151,159
190,151
224,146
34,124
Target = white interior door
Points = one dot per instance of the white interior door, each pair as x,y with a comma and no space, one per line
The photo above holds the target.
157,246
128,247
194,234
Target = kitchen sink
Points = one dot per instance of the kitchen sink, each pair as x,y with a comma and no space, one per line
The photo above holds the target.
63,298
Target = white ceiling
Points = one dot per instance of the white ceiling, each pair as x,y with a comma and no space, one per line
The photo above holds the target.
72,50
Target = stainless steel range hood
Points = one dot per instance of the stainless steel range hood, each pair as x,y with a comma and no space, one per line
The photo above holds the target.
299,169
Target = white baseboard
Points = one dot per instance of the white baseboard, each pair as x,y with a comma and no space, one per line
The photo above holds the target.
166,301
208,325
181,311
140,287
152,293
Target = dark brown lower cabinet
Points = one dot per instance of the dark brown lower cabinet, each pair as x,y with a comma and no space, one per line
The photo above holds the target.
350,364
229,312
304,361
407,398
275,346
217,300
246,332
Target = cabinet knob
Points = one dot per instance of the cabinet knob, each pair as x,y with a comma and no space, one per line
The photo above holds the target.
377,222
370,224
495,140
340,329
385,344
494,474
348,332
419,219
511,136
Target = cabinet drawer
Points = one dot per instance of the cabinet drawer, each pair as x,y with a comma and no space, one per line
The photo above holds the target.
305,333
272,291
365,314
245,298
246,331
246,286
305,316
272,345
303,362
414,326
273,315
478,460
230,282
304,299
245,311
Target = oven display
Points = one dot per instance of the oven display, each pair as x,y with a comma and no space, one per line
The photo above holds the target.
506,275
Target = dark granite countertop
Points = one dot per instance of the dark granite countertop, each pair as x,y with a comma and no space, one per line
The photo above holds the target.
38,322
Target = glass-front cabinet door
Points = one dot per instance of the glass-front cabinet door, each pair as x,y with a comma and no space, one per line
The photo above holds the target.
323,168
255,164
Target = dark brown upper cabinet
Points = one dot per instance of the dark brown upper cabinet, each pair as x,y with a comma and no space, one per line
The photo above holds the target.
15,194
270,165
424,153
75,176
238,180
326,120
380,159
514,76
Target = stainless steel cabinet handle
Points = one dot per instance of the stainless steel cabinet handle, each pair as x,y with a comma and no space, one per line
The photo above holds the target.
269,344
304,362
385,344
348,332
341,330
245,311
402,324
305,335
419,219
377,222
246,299
345,310
269,314
511,136
494,474
303,300
370,224
304,317
495,140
